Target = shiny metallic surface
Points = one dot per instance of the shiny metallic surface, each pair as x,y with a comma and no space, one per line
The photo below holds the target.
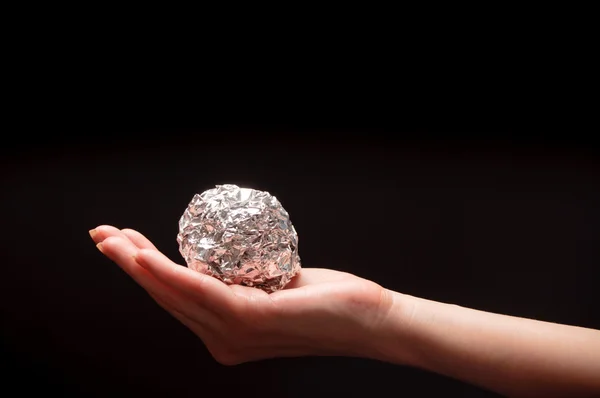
240,236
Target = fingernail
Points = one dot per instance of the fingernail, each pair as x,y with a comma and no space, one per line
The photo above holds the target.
93,233
99,246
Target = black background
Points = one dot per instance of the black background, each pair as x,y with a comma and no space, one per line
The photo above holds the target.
491,219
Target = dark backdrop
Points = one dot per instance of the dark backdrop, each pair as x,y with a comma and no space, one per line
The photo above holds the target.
498,222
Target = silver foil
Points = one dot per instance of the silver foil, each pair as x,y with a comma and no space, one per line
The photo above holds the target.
240,236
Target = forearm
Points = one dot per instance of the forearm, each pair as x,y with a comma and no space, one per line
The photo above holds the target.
510,355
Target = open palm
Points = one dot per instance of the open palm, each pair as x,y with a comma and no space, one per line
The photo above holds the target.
320,312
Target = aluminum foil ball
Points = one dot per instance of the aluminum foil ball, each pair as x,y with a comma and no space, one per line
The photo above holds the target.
240,236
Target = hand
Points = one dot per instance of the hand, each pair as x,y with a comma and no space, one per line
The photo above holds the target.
324,312
321,312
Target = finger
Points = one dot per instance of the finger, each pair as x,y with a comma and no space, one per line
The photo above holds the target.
314,276
208,291
138,239
102,232
122,252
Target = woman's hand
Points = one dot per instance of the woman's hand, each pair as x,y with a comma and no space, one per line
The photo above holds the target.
321,312
324,312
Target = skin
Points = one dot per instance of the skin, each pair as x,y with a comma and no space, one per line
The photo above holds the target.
325,312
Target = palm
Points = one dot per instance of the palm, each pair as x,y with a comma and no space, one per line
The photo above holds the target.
320,312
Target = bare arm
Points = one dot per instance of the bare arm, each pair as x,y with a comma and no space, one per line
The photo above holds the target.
514,356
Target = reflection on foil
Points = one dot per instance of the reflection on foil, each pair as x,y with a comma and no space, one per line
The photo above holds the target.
240,236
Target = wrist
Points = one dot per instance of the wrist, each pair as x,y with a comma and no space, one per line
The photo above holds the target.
392,340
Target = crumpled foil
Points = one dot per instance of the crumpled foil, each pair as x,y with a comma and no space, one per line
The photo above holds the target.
240,236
